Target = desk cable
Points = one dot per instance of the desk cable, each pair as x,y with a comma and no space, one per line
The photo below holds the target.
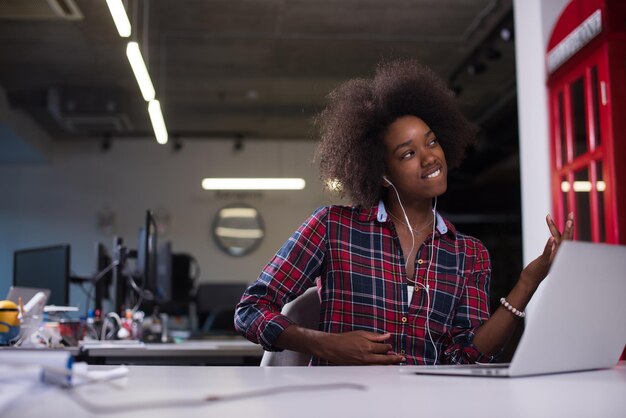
193,402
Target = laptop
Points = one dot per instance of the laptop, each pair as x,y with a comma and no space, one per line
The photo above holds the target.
27,294
576,320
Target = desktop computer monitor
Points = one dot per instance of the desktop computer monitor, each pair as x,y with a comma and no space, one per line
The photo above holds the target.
140,285
164,283
215,306
45,267
174,280
102,285
161,279
147,255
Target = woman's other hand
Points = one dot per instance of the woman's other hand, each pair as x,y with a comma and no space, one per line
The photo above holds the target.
538,269
358,348
567,235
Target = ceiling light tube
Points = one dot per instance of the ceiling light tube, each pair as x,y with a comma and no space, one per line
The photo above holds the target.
158,123
141,72
253,184
120,18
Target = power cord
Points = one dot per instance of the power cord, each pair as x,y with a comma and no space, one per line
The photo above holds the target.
191,402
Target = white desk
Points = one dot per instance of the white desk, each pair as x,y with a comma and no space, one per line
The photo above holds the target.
229,351
385,393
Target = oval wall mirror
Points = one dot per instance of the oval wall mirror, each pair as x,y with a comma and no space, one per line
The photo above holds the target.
238,229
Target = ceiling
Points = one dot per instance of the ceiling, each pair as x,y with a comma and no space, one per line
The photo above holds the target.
243,68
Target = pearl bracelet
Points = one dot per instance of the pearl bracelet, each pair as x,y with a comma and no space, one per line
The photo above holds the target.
510,307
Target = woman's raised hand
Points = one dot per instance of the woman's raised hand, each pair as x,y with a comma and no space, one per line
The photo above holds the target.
568,232
538,269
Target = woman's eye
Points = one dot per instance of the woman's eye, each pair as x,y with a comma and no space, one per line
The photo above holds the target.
433,142
408,154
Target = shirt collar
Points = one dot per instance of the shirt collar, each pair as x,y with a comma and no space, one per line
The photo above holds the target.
381,215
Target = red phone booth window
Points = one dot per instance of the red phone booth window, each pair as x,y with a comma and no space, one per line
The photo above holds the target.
586,64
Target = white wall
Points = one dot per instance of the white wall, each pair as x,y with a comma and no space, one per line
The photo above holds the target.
534,20
58,202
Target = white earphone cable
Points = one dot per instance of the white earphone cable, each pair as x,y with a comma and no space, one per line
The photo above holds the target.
408,257
427,287
408,224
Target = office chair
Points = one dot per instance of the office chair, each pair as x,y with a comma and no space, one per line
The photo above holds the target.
304,311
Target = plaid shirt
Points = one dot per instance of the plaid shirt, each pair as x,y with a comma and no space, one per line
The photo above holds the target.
357,254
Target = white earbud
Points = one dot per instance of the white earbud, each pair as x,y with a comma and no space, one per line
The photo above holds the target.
387,180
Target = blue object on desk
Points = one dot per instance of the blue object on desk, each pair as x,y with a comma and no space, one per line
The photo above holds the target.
7,337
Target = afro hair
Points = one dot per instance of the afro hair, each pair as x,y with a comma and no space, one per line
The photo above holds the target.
351,150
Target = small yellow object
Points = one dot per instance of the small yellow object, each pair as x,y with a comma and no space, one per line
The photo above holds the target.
9,322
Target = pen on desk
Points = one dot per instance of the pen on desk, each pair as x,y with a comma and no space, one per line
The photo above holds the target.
21,305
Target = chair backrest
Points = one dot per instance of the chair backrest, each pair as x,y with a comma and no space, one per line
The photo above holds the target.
304,311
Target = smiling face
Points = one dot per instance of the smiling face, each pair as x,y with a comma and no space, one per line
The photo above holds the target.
416,164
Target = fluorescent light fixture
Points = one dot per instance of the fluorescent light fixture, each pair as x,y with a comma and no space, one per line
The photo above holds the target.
582,186
141,72
120,18
158,124
238,213
238,233
253,184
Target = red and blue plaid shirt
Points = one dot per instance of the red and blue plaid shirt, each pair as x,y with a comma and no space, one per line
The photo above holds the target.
358,257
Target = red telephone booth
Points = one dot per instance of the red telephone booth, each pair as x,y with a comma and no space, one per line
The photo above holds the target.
586,64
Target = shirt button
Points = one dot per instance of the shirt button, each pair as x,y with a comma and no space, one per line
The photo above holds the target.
404,319
420,261
402,352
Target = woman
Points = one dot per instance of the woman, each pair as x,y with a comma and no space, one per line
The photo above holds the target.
398,283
